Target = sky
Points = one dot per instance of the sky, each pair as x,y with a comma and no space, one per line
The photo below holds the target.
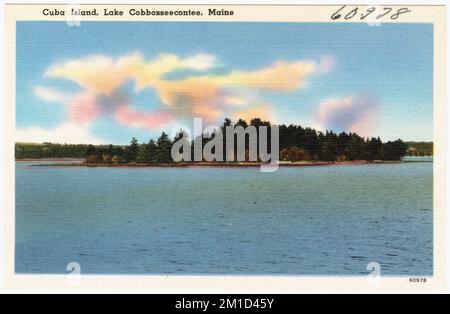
106,82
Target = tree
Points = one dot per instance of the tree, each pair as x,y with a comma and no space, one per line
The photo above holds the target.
295,143
93,159
374,147
164,144
141,154
116,160
151,151
294,154
355,147
329,146
107,158
90,150
394,150
132,150
412,151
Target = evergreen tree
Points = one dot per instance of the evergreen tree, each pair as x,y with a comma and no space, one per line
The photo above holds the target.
132,150
373,148
394,150
355,147
151,150
141,154
164,149
296,142
90,151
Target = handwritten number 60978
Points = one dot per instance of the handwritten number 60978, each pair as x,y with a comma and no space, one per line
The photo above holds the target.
377,12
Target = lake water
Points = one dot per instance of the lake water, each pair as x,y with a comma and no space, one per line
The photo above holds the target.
330,220
418,158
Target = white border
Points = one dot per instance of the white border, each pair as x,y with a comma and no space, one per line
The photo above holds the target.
3,117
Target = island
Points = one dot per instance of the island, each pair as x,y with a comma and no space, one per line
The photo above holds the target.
298,146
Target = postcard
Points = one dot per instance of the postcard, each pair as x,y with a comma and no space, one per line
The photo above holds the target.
225,147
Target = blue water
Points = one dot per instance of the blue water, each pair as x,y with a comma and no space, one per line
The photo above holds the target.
330,220
418,158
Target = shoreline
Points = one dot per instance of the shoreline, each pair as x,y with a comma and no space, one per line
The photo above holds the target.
49,160
215,164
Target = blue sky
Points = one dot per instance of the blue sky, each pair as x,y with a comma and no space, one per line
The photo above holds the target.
105,82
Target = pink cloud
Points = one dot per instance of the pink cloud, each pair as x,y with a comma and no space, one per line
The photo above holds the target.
83,108
326,64
211,96
136,118
353,114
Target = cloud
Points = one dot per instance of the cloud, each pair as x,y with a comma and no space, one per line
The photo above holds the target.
83,108
209,96
354,113
280,76
200,62
103,74
69,132
98,74
326,64
134,118
235,100
262,111
50,95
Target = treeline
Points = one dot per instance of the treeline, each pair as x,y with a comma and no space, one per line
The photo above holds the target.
296,143
152,152
420,149
49,150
